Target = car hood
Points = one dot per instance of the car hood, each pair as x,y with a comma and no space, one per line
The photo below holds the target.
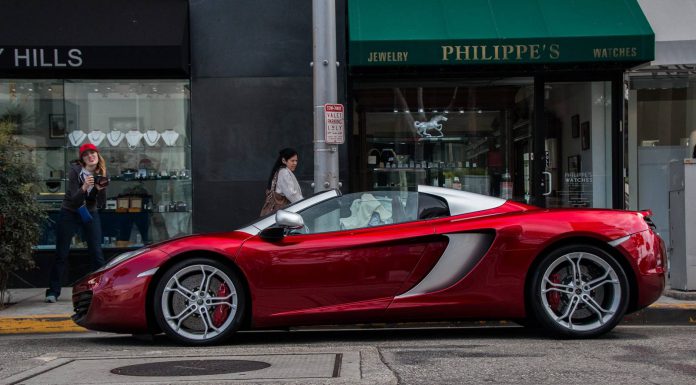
225,243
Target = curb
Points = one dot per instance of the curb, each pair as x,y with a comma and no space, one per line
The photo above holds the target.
656,314
48,323
663,314
680,294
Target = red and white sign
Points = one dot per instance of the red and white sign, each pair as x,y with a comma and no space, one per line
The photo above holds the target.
333,123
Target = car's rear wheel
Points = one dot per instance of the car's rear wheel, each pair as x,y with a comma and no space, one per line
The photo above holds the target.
579,291
199,301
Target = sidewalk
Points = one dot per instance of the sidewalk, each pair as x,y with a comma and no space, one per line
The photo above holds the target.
30,314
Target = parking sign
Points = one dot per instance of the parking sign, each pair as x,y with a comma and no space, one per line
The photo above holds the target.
333,123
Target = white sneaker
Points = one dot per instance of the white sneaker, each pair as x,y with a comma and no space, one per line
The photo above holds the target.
51,299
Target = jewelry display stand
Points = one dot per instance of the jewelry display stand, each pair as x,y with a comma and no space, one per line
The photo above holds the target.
170,137
77,137
96,137
133,138
115,137
151,137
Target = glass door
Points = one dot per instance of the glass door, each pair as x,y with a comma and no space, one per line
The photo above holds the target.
574,145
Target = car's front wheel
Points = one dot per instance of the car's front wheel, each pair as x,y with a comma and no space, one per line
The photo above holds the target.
579,291
199,301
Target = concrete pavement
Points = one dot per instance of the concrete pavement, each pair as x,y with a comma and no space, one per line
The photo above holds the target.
30,314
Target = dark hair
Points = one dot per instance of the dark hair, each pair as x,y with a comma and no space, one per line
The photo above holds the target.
284,154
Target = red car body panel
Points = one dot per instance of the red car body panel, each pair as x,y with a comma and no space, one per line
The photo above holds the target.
495,287
119,296
359,275
313,277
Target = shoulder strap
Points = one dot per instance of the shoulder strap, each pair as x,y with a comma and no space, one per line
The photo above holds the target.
274,182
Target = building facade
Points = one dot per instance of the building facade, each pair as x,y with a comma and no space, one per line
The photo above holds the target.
661,122
190,101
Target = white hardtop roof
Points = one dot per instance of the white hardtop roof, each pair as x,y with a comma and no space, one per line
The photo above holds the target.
463,202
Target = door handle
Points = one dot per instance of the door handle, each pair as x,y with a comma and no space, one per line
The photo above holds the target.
548,192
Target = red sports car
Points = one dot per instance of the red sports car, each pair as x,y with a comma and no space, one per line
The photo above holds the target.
385,256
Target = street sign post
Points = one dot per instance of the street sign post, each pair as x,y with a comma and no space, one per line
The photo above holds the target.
324,75
333,123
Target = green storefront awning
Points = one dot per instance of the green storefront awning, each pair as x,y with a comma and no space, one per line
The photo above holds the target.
460,32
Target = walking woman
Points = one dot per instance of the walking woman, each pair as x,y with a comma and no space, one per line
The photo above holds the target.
86,190
282,187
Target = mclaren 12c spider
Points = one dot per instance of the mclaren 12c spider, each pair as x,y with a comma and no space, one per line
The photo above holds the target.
385,256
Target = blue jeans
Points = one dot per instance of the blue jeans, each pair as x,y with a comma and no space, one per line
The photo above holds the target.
68,224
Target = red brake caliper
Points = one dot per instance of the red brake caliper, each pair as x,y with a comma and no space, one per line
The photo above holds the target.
554,297
221,311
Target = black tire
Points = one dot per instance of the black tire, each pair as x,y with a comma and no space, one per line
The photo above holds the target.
192,315
588,308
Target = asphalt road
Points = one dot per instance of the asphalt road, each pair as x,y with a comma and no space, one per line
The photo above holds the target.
496,355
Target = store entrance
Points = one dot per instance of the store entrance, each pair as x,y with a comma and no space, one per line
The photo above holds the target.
574,145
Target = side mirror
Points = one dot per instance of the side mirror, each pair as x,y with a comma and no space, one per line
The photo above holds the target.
272,234
289,220
285,220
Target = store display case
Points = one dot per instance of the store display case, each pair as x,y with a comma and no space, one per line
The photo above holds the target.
440,155
142,132
400,172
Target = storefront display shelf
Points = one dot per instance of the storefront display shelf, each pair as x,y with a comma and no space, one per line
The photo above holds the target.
417,139
105,211
117,178
105,147
396,169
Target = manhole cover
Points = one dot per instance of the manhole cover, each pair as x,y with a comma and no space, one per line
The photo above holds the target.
190,368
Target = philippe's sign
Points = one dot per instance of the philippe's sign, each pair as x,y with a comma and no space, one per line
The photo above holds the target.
477,53
511,52
499,51
31,58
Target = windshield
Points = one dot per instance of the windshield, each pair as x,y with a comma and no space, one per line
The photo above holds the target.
263,222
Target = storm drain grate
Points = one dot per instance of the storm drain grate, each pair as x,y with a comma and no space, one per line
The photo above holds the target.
190,368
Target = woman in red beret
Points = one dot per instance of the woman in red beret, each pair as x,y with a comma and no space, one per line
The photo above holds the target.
86,191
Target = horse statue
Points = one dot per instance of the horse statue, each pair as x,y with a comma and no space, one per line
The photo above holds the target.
433,124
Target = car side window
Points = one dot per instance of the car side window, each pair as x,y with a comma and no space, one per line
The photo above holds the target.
430,206
360,210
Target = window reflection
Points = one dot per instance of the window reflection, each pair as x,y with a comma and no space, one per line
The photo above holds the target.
141,128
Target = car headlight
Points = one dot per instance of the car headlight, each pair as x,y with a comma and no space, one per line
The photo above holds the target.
124,257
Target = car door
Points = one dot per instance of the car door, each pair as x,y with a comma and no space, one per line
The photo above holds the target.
353,256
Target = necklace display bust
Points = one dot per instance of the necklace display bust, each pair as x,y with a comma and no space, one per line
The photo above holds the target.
115,137
77,137
96,137
170,137
133,138
151,137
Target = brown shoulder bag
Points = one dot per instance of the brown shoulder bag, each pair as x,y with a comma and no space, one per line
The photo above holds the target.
273,201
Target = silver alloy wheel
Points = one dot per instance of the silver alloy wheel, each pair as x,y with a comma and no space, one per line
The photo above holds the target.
190,298
580,291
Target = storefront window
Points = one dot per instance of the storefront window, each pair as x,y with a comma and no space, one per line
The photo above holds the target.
661,133
464,135
35,109
142,130
479,136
